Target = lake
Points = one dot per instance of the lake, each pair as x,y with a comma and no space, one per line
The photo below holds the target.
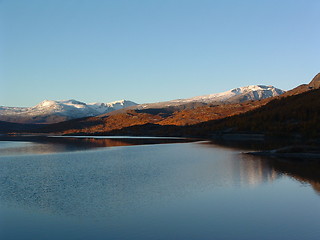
126,188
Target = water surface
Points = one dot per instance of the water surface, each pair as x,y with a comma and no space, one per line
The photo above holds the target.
167,191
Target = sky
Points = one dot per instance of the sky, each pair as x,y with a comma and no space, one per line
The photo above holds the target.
153,50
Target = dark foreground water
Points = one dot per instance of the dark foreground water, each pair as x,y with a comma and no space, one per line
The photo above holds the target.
164,191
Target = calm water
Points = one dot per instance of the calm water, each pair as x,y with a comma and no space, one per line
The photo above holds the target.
195,191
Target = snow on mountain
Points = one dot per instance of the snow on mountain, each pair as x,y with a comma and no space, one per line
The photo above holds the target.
253,92
50,111
116,105
236,95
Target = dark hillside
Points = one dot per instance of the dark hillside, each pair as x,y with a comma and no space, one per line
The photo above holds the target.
297,114
7,127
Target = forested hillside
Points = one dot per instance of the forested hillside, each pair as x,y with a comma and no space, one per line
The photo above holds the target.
297,114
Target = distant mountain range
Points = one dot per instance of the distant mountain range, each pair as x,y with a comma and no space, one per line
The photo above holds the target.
50,111
293,115
257,108
236,95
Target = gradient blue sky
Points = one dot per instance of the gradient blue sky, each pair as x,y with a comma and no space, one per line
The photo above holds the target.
152,50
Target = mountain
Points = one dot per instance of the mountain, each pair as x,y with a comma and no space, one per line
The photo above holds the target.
236,95
49,111
7,127
233,96
241,94
190,111
315,83
295,115
102,118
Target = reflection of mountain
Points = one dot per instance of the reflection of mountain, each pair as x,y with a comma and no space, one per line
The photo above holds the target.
303,171
245,170
63,146
306,171
47,145
254,172
257,169
107,184
104,183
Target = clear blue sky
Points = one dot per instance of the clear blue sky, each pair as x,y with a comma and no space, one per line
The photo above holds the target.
152,50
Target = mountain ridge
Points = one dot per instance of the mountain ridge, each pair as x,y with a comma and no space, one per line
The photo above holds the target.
236,95
172,115
196,117
52,111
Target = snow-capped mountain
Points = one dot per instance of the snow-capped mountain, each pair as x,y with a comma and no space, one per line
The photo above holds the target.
241,94
236,95
108,107
49,111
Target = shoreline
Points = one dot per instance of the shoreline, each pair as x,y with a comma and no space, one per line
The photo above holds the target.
295,152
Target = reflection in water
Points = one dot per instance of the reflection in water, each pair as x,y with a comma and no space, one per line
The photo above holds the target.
154,192
243,170
47,145
246,169
81,184
255,172
254,145
259,169
305,171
